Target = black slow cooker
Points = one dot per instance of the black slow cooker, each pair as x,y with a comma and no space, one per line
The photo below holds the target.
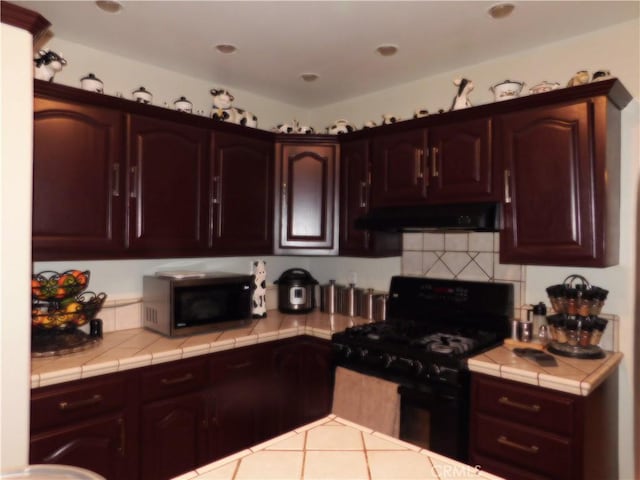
296,291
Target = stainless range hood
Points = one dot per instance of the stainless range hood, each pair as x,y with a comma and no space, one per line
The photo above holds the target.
478,217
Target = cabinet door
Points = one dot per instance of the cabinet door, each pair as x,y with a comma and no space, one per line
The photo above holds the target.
307,210
461,163
399,169
355,199
174,436
241,195
317,379
554,179
78,188
167,179
97,445
238,399
354,194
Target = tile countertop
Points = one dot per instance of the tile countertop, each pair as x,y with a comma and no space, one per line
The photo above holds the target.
571,375
127,349
139,347
334,448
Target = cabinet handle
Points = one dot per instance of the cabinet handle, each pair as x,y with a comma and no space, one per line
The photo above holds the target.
507,186
419,153
123,437
363,191
522,406
174,381
116,180
134,183
508,443
238,366
434,162
215,185
68,406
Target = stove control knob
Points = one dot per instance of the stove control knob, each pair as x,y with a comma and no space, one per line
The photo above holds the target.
386,360
417,367
362,352
346,351
435,370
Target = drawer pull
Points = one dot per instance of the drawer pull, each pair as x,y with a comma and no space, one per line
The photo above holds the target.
434,161
68,406
238,366
508,443
507,186
174,381
522,406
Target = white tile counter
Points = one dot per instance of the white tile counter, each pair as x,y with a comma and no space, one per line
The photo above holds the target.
134,348
571,375
332,449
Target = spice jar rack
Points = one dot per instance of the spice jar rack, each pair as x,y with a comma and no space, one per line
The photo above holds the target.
576,327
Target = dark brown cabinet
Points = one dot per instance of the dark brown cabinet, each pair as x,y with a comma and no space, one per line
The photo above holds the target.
160,421
561,174
78,181
306,216
304,379
166,186
86,424
461,163
355,201
522,432
399,169
241,195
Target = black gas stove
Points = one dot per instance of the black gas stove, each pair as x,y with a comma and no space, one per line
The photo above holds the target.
433,326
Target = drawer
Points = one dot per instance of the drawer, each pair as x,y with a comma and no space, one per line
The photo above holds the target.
534,406
173,378
245,362
532,450
76,401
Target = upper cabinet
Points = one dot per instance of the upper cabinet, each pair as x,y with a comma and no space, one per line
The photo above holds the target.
355,201
399,171
241,195
461,164
448,162
79,190
166,180
306,219
561,172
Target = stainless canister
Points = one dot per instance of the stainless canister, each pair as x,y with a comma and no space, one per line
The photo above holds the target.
347,300
328,300
380,307
366,303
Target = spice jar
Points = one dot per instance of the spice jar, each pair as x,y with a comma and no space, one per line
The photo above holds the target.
571,301
561,330
599,324
573,332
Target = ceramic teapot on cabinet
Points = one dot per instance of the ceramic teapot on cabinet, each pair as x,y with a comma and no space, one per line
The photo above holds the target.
507,90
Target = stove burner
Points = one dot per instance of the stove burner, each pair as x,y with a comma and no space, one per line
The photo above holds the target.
447,343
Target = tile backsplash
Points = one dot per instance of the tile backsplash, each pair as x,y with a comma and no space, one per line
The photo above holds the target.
461,256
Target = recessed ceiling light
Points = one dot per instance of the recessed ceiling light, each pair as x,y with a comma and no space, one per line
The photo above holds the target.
501,10
109,6
387,50
309,77
226,48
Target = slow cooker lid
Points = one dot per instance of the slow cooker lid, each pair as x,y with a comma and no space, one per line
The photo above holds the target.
296,276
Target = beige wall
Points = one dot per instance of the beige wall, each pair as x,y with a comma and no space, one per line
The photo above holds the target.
16,122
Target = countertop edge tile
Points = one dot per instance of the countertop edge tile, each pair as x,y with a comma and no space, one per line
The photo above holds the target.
560,384
103,368
315,424
35,380
196,350
397,441
594,379
222,345
273,441
60,376
246,340
519,375
136,361
166,356
187,476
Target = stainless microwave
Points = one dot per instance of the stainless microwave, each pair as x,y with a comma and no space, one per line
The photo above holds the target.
179,305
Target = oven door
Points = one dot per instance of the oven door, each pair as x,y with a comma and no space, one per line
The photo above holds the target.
435,417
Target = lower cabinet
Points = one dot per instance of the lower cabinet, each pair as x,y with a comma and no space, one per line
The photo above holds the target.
160,421
87,424
524,432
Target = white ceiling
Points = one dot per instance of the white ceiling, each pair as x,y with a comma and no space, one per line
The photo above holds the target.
278,41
